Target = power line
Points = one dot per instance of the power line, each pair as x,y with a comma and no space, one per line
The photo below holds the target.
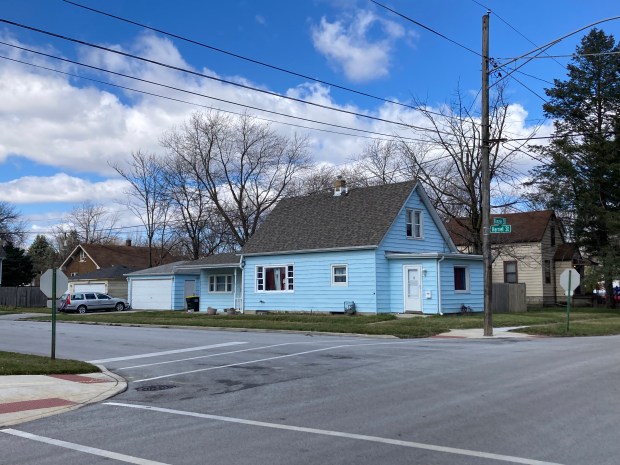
426,27
241,57
572,55
512,27
213,78
391,136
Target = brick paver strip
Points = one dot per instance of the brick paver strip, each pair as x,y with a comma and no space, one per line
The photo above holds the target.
79,379
11,407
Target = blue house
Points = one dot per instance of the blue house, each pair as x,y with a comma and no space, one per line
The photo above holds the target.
378,249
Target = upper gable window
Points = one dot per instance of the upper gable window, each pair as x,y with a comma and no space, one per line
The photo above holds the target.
82,256
552,235
413,220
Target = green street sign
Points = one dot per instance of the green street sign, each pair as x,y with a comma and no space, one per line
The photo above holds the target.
503,228
499,221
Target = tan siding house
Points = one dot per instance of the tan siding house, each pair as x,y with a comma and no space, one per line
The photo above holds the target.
533,253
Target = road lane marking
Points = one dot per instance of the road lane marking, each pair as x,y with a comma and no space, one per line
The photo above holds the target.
239,363
263,360
167,352
210,355
340,434
80,448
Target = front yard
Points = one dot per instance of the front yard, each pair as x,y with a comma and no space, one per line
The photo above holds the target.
541,321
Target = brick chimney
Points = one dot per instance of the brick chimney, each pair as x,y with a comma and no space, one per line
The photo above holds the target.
340,187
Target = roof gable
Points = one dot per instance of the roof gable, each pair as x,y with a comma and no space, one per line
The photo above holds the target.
107,256
359,219
525,227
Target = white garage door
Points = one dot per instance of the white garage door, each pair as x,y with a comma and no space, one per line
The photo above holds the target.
151,294
92,287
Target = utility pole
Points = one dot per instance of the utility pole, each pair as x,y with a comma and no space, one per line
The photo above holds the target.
485,186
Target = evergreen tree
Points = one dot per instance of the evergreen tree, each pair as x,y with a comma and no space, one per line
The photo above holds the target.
582,163
17,267
42,254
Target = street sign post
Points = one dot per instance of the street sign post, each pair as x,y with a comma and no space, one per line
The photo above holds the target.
569,280
500,226
53,283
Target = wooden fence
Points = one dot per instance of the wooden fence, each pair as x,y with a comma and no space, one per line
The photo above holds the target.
22,297
509,298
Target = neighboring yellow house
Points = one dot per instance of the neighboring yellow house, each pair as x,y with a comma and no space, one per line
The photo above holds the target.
533,252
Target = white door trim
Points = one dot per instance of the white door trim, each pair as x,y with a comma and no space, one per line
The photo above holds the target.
411,305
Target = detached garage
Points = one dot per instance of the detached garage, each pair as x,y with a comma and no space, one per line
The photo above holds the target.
162,287
112,281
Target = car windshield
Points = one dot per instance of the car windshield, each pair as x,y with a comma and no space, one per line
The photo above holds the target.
103,296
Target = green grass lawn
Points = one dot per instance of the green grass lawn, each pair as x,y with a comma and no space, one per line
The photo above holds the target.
12,363
542,321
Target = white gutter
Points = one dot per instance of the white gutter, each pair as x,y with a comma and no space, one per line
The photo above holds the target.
439,260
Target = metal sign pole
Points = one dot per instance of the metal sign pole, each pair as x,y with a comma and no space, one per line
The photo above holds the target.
569,293
54,314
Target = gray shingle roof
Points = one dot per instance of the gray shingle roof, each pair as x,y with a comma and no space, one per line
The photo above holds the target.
167,269
221,259
113,272
322,221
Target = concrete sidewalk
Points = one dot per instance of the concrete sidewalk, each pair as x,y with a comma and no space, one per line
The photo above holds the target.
26,398
478,333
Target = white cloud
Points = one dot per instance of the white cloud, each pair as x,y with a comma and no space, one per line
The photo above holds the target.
361,45
61,188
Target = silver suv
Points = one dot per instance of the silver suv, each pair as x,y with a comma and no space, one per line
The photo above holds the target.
83,301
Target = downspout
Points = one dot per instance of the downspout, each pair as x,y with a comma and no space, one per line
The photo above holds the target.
234,305
443,257
241,297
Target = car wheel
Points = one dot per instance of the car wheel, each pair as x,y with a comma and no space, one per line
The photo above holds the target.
82,309
120,307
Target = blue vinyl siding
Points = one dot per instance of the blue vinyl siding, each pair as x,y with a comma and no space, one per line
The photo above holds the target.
219,300
313,289
452,300
396,239
397,284
178,290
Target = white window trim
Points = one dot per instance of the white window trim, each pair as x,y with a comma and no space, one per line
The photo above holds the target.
287,279
412,212
467,289
346,275
82,256
213,285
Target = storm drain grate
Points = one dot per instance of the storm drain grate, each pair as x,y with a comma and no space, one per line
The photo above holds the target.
155,387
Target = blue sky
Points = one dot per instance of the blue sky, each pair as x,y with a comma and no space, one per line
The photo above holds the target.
59,133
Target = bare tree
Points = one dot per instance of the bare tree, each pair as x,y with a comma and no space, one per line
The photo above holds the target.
242,164
381,162
12,227
451,168
201,229
92,224
147,199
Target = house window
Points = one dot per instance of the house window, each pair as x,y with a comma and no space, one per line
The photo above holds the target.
220,283
510,272
82,256
340,275
547,271
274,278
74,274
552,235
413,219
461,278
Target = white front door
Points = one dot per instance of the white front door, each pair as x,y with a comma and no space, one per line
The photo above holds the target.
413,288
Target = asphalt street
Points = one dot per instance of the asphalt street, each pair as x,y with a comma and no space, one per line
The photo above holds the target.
235,397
